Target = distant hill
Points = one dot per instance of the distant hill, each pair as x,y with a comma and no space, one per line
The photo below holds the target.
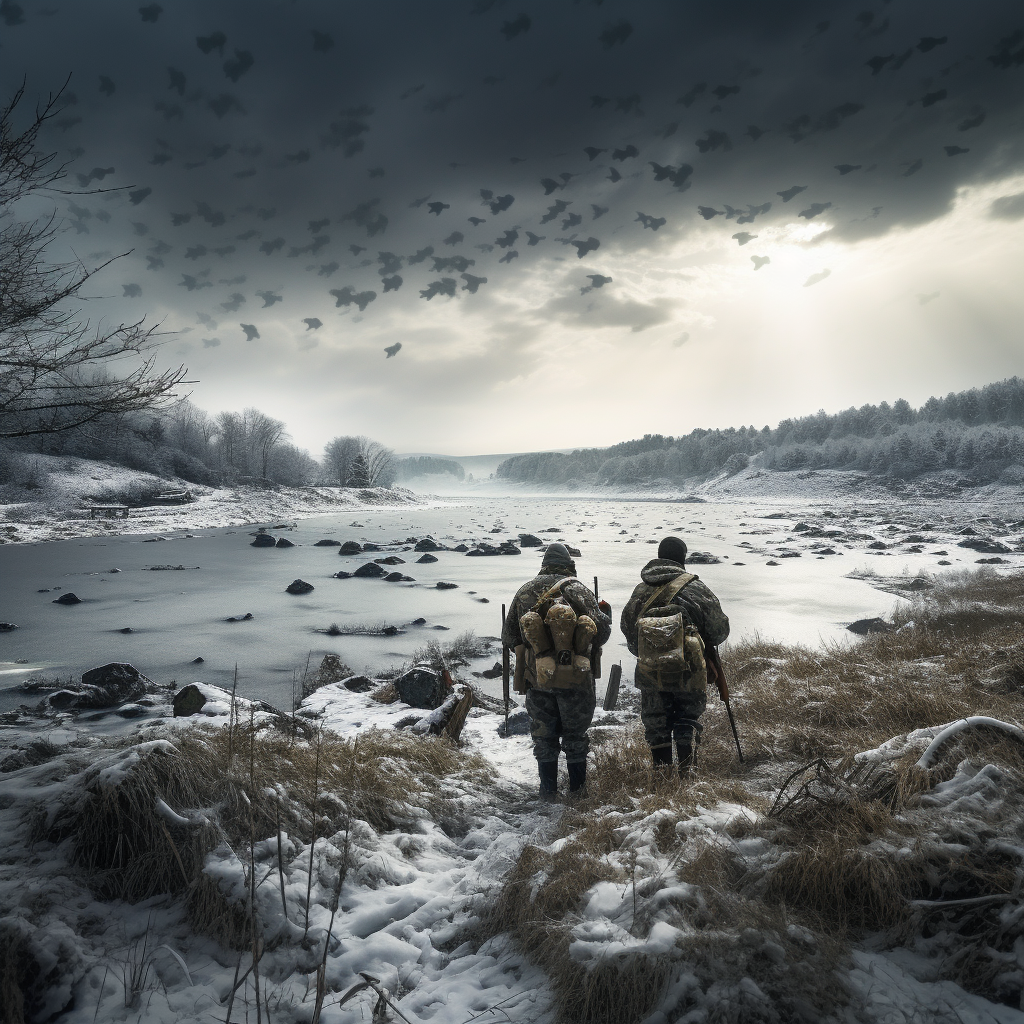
979,434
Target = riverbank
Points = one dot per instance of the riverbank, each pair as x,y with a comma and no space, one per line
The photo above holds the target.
58,504
859,865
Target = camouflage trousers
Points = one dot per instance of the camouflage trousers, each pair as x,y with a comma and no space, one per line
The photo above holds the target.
668,713
560,715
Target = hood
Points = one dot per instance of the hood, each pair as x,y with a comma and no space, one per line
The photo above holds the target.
660,571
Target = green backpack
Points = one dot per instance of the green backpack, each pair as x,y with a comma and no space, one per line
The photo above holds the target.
670,651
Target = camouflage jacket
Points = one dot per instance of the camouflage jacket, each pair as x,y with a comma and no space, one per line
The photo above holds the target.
699,605
576,594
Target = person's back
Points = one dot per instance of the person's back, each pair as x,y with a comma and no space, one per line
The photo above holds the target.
560,695
672,674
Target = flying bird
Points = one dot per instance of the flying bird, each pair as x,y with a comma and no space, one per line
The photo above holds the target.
348,296
815,278
131,291
446,286
436,208
693,94
196,252
472,283
139,195
269,298
534,239
927,43
550,185
582,248
516,27
913,168
794,190
389,263
421,255
511,255
814,209
650,222
316,226
272,245
677,175
713,140
971,122
554,210
752,213
955,150
477,221
214,41
596,281
614,175
743,237
507,239
708,212
456,263
151,12
237,66
593,152
393,350
754,132
356,249
571,221
233,304
107,86
326,269
760,261
454,238
193,284
846,168
250,331
313,323
599,101
599,211
626,153
391,284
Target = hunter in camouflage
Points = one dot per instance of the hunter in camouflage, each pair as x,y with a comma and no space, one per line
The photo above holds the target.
559,718
673,713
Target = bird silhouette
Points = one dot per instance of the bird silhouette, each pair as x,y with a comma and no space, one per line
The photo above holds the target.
743,237
913,168
508,239
454,238
677,175
760,261
593,152
650,222
511,255
793,190
571,221
151,12
356,249
554,210
955,150
420,256
582,248
596,281
234,303
814,209
446,286
754,132
472,283
214,41
846,168
533,239
709,212
313,323
626,153
550,185
477,221
599,211
326,269
131,291
815,278
238,65
391,284
269,298
614,175
250,331
107,86
436,208
348,296
393,350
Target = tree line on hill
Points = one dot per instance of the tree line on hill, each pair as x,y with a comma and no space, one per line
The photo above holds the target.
978,433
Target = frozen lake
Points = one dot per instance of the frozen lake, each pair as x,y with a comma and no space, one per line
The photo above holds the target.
177,616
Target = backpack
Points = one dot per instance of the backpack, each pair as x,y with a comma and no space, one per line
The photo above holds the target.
560,640
670,651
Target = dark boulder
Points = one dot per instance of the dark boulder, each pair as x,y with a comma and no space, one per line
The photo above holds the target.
110,685
441,585
505,548
132,711
994,560
518,724
327,544
702,558
6,627
527,540
394,577
369,569
284,542
985,546
247,617
418,622
358,684
428,544
408,579
299,587
426,557
263,540
198,661
460,547
878,545
188,701
862,627
493,672
350,547
127,629
341,575
421,688
371,547
390,560
68,598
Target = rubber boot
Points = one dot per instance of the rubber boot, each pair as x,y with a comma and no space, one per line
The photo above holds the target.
662,755
577,779
687,753
548,771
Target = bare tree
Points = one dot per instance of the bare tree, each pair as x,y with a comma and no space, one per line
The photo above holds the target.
263,434
56,369
339,454
380,462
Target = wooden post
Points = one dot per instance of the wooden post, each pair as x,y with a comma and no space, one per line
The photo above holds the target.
611,693
505,667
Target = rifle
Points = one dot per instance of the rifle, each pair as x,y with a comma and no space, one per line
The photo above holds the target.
715,664
595,654
505,669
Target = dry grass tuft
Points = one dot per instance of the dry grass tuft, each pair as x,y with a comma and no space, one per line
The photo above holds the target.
385,694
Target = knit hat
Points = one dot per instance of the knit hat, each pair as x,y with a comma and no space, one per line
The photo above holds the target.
673,549
558,555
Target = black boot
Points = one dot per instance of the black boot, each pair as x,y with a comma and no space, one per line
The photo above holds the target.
548,771
687,753
662,755
577,779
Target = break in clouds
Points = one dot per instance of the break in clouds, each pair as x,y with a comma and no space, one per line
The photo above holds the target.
306,175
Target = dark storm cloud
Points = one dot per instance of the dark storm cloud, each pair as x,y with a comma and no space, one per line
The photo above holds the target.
399,128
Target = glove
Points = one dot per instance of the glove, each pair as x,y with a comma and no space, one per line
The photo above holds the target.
605,607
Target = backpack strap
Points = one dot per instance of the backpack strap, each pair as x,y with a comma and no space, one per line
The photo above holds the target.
553,591
669,590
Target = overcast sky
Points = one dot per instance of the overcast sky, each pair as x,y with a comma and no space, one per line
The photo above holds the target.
582,221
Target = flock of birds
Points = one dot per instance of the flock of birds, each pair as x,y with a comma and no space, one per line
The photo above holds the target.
563,221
